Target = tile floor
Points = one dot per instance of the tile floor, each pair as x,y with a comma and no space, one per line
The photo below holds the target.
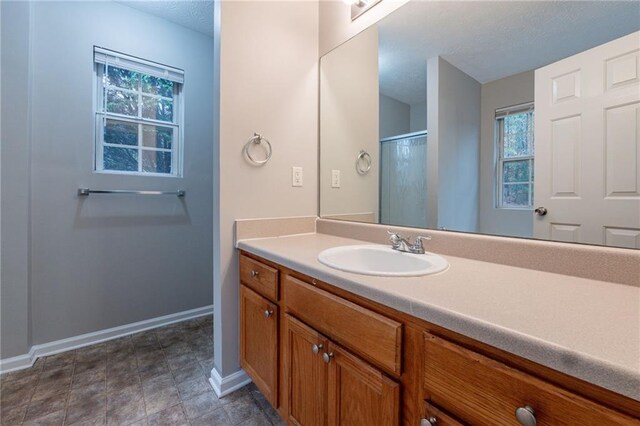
157,377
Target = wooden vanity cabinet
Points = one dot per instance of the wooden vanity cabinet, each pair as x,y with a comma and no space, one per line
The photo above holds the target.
324,356
436,417
372,336
329,385
259,325
482,391
259,342
307,374
359,394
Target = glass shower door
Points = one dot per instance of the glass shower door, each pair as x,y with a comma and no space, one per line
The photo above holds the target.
403,180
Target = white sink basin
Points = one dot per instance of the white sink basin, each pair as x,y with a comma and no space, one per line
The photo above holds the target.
381,261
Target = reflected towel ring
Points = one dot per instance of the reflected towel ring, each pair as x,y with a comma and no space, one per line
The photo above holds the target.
257,139
363,162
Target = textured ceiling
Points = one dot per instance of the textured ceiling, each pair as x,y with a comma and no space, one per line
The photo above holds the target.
491,40
193,14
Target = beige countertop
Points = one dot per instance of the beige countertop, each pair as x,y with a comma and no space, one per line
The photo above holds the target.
585,328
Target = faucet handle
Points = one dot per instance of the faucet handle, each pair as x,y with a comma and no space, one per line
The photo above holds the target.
394,236
417,246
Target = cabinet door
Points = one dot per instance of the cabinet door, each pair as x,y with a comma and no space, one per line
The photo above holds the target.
307,387
259,342
359,394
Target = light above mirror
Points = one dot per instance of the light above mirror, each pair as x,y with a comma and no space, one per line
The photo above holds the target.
358,7
475,114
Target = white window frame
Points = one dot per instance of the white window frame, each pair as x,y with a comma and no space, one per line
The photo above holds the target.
500,115
104,57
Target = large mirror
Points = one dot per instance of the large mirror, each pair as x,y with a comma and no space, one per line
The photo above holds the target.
506,118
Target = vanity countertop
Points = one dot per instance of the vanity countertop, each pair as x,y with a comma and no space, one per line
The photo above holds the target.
585,328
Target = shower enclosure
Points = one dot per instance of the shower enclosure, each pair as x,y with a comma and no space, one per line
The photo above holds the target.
403,180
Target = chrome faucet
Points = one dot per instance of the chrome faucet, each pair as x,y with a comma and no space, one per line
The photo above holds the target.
402,244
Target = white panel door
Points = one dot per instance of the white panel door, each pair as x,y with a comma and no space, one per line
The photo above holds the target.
587,153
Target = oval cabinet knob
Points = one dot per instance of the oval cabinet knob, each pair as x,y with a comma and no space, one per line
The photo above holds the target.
268,313
326,357
526,416
431,421
316,348
254,274
541,211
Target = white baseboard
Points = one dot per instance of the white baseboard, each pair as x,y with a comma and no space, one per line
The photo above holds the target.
25,361
18,362
223,386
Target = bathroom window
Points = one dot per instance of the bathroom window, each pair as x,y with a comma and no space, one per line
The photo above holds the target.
515,152
138,110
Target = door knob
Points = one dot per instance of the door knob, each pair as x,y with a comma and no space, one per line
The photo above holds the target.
326,357
316,348
541,211
268,313
526,416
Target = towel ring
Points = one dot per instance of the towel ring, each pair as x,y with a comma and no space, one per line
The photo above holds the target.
363,157
257,139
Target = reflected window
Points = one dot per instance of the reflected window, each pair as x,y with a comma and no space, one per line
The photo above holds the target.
138,115
515,152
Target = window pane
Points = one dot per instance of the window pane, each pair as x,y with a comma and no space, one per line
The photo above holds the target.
122,102
515,195
532,194
121,133
156,161
531,133
157,109
157,136
124,159
516,123
532,170
516,145
518,135
123,78
515,171
157,86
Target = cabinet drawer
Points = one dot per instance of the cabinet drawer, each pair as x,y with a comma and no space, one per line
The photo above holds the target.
260,277
482,391
435,417
372,336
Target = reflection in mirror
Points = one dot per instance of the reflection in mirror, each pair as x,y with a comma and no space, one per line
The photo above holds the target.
505,118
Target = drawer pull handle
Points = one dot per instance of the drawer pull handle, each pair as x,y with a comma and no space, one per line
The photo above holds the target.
326,357
268,313
254,274
526,416
431,421
316,348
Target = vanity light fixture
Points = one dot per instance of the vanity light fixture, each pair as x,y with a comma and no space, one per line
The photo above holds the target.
358,7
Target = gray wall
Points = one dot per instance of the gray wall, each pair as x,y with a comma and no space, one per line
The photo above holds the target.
14,280
418,117
512,90
394,117
453,100
398,118
111,260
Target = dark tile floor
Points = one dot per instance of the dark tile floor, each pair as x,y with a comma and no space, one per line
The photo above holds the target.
157,377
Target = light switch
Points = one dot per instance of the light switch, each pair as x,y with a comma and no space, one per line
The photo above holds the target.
296,176
335,178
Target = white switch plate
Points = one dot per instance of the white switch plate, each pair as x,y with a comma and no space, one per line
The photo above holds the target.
296,176
335,178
